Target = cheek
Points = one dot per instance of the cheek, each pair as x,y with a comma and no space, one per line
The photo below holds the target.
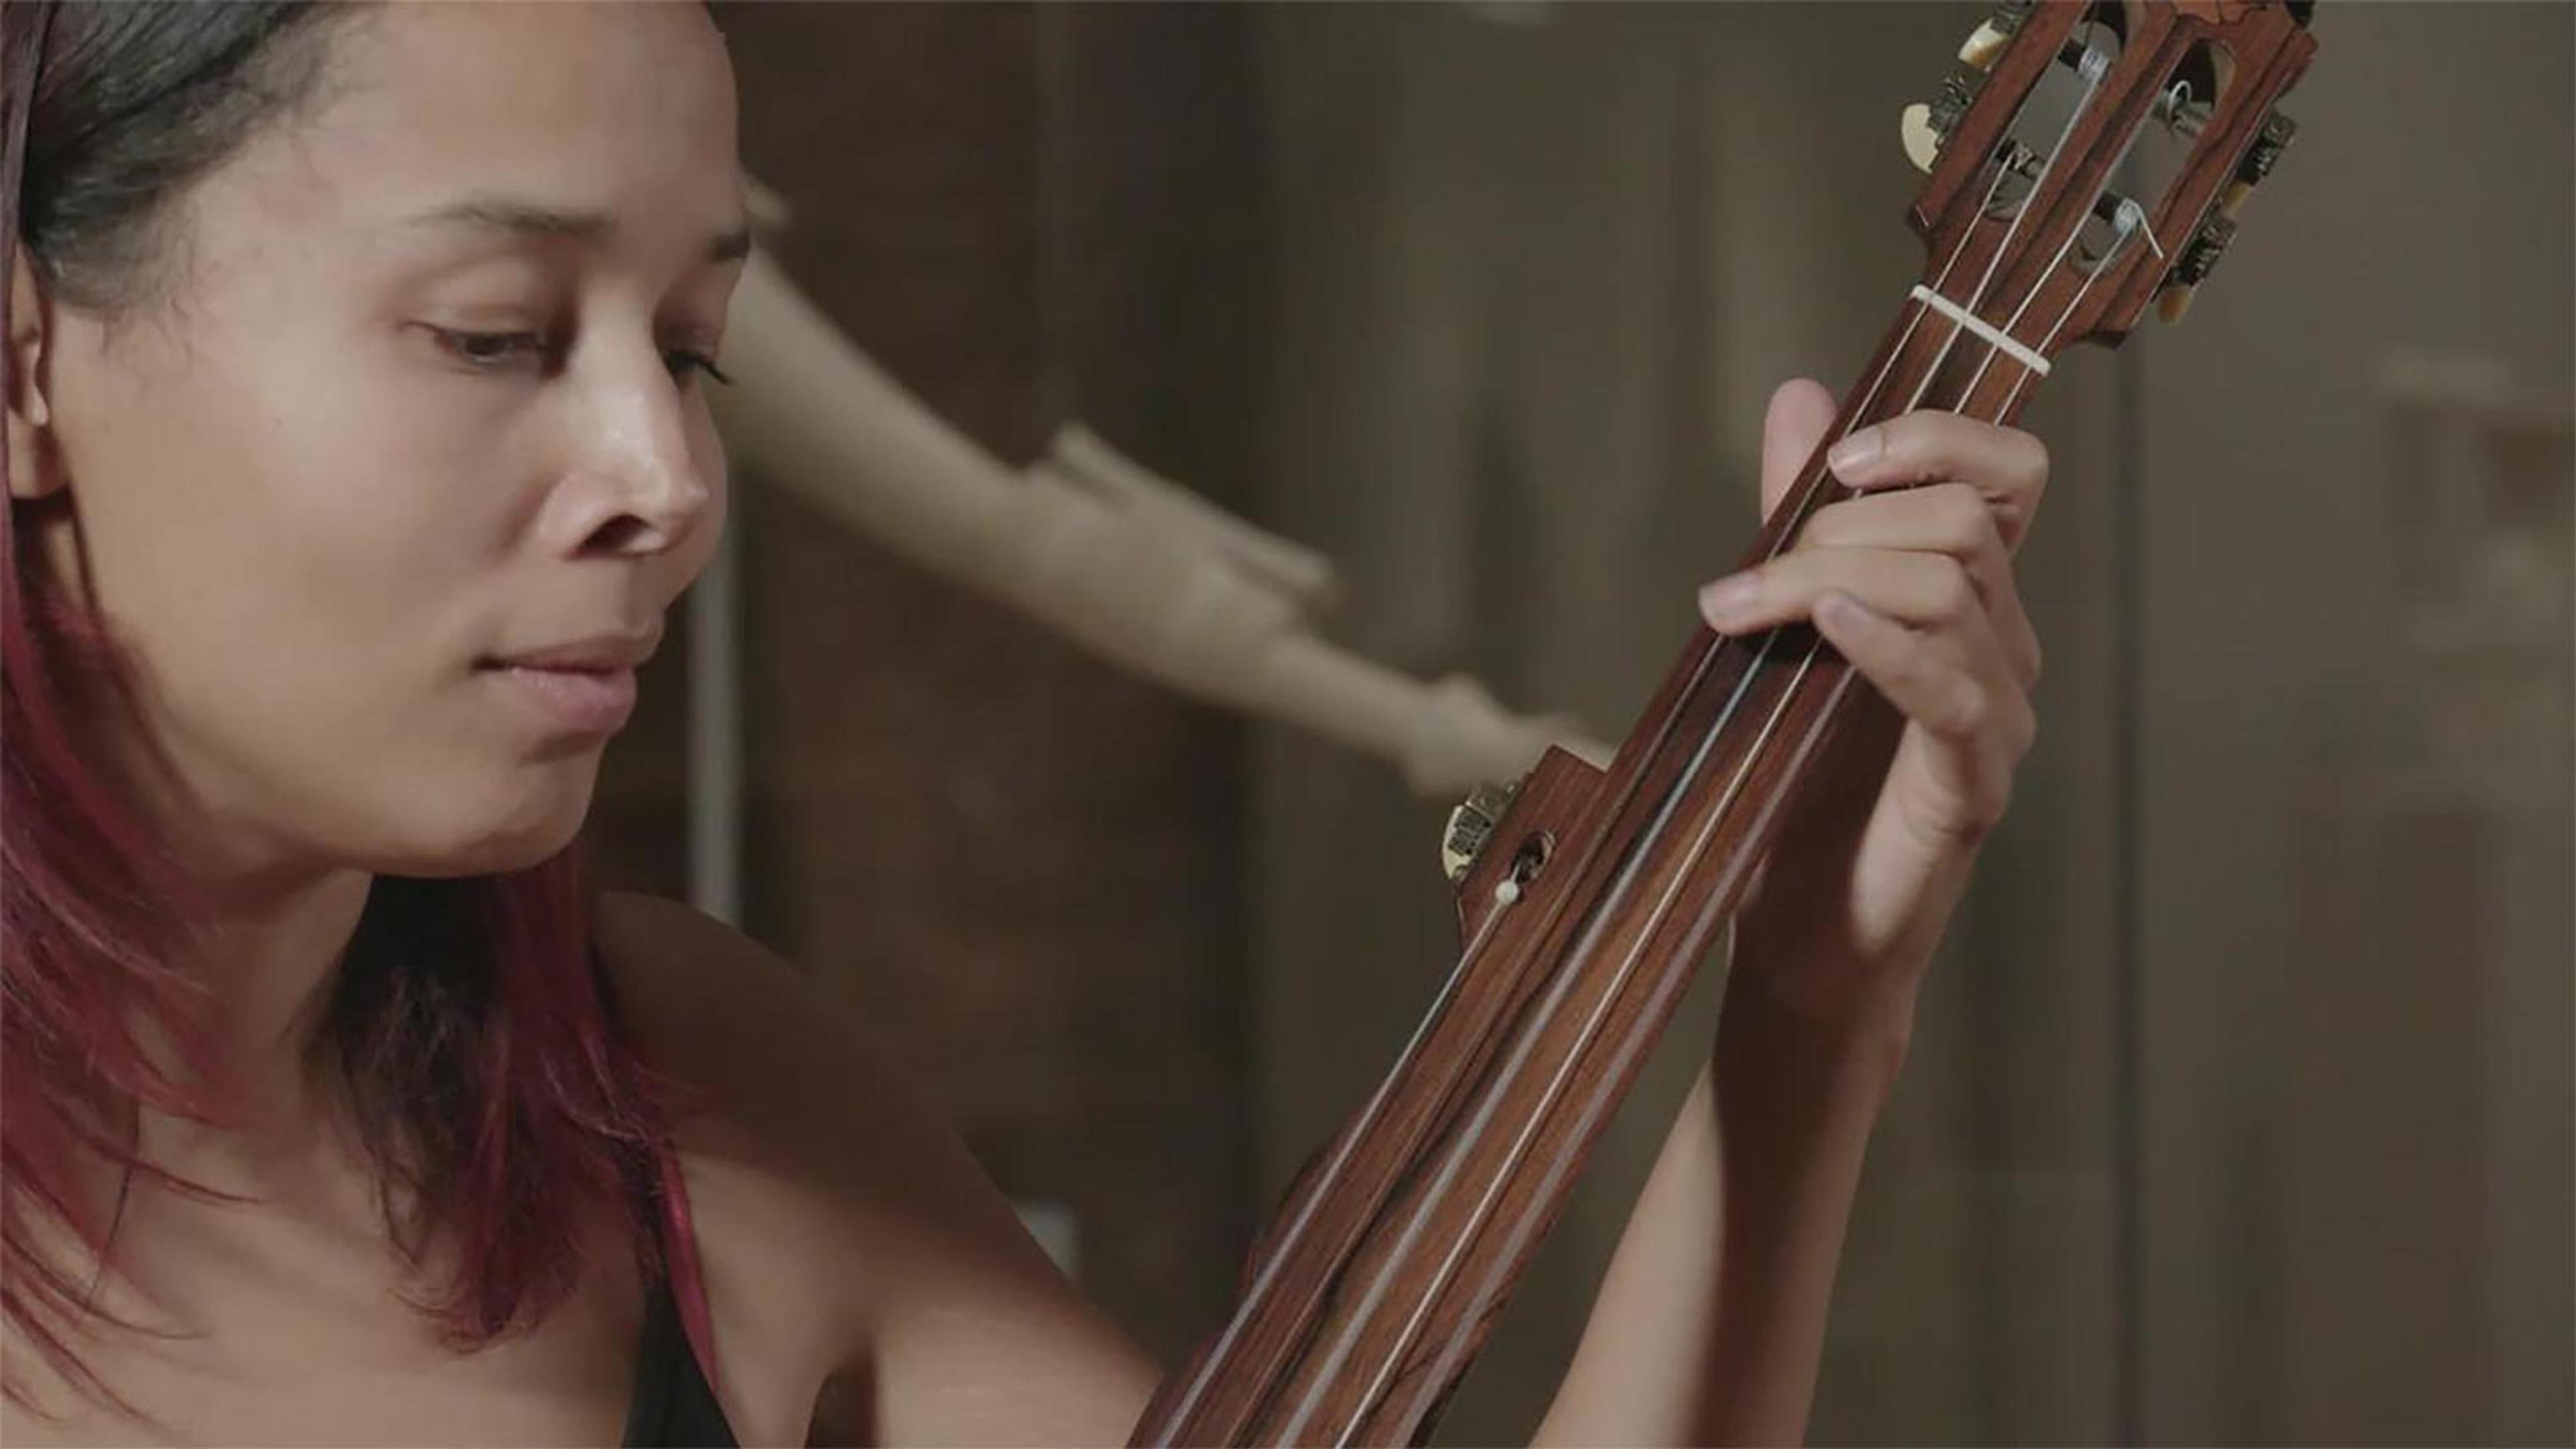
297,585
710,533
264,541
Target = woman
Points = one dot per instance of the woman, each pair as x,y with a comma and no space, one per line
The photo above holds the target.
356,448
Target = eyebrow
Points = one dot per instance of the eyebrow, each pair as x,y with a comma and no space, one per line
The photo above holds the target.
531,219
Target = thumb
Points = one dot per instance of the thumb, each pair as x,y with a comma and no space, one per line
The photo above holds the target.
1801,410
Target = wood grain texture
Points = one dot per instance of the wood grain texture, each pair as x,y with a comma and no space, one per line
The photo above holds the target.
1401,1241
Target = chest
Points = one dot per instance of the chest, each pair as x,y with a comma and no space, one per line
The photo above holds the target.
254,1333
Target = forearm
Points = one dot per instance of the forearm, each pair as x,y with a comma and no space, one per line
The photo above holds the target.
1710,1321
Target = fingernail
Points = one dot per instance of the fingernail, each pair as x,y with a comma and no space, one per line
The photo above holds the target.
1857,451
1730,596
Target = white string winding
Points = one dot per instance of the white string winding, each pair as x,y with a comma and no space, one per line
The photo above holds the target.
1527,1043
1967,321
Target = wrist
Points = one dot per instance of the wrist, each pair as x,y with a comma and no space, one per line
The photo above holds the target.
1826,980
1811,1067
1844,1007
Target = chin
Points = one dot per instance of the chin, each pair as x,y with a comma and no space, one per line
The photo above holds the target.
517,827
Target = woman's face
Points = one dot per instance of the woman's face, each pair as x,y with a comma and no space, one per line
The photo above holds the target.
422,399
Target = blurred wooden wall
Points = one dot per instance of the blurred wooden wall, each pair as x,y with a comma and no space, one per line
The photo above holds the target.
1144,976
1020,863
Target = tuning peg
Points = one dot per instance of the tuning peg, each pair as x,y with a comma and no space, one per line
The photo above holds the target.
1471,826
1922,142
2259,159
1989,38
2192,268
2201,253
2275,137
1958,92
1985,43
1925,126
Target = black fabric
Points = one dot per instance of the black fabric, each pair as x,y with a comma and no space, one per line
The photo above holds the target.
673,1407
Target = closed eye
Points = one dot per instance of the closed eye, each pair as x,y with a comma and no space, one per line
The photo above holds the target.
488,351
491,351
684,362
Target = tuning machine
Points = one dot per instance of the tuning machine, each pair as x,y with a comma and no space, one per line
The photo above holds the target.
1991,36
2218,228
1925,125
2275,137
2193,266
1471,828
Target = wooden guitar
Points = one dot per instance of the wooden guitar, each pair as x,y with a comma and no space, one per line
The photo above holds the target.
1588,897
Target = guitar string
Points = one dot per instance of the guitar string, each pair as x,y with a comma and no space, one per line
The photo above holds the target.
2131,220
1665,727
1633,1044
2093,73
1313,1198
1333,1168
2133,225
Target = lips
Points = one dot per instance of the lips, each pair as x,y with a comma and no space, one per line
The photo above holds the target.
586,686
598,653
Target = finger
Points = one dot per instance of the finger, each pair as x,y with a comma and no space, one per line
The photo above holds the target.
1930,592
1795,422
1926,590
1978,729
2008,467
1947,518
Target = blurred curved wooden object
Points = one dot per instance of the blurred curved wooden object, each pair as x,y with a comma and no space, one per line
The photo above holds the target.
1131,566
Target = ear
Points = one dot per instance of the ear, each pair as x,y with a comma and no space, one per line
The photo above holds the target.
33,466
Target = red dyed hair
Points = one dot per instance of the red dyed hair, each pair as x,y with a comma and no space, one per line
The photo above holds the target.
468,1022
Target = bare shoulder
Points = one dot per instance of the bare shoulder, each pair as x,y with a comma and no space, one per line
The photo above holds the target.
779,1072
856,1237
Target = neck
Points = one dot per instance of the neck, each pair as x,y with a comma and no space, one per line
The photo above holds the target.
270,921
270,956
267,956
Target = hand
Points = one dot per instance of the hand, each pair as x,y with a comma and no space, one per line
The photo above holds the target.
1914,586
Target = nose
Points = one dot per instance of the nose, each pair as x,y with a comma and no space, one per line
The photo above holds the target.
638,485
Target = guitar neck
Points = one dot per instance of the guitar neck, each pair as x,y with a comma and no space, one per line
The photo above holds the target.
1582,923
1598,893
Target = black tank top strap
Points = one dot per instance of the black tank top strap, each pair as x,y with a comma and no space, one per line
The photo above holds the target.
674,1401
673,1404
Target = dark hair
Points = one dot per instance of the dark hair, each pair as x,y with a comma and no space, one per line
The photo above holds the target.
468,1025
136,102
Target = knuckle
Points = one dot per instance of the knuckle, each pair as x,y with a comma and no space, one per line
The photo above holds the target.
1989,540
1969,706
2032,461
1954,597
2024,731
1998,802
1966,522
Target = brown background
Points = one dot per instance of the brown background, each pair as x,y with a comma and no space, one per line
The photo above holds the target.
2240,1108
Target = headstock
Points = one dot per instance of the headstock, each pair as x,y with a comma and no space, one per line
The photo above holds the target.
2024,214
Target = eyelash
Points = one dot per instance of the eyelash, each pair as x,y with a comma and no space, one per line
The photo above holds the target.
461,343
